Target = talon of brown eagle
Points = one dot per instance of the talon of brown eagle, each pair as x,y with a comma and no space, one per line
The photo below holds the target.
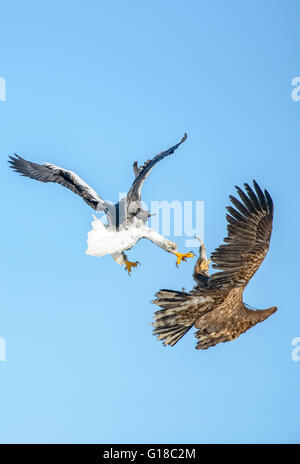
204,265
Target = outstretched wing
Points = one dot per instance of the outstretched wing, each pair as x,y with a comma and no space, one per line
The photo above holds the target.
50,173
247,243
143,171
249,233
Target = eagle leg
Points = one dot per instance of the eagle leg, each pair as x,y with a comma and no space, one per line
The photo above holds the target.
202,265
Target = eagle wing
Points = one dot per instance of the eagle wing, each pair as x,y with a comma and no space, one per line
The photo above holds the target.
247,243
143,171
249,233
50,173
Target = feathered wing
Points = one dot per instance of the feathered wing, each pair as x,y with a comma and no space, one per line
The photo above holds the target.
143,171
50,173
246,245
249,233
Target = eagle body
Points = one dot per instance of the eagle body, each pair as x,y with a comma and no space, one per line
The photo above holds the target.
215,305
228,320
126,220
103,240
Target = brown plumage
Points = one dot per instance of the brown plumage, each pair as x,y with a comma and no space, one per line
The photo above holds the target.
215,305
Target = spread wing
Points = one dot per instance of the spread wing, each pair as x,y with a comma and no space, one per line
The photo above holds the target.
249,233
247,243
50,173
143,171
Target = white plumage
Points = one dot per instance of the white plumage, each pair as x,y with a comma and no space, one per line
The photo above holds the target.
103,240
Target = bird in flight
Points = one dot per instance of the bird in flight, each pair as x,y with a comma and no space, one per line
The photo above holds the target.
215,305
126,220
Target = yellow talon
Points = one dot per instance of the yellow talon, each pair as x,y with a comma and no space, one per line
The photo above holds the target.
183,256
129,265
204,265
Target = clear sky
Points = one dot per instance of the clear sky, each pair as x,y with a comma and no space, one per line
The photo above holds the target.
93,86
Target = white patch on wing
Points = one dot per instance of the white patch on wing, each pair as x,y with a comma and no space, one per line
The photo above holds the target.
102,240
76,179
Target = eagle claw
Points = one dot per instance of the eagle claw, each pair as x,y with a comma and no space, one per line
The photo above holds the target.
183,256
129,265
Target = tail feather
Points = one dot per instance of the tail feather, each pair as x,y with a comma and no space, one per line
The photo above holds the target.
167,324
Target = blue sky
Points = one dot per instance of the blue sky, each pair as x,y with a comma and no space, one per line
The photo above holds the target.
93,86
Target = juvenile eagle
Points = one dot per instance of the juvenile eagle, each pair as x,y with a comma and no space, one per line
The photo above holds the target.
215,305
126,219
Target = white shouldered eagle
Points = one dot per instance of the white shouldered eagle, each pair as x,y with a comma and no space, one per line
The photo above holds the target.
126,219
215,305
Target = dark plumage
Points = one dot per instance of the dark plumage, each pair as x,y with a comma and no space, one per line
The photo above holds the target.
215,305
50,173
117,214
143,171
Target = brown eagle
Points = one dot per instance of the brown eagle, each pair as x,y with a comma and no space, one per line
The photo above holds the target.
215,305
